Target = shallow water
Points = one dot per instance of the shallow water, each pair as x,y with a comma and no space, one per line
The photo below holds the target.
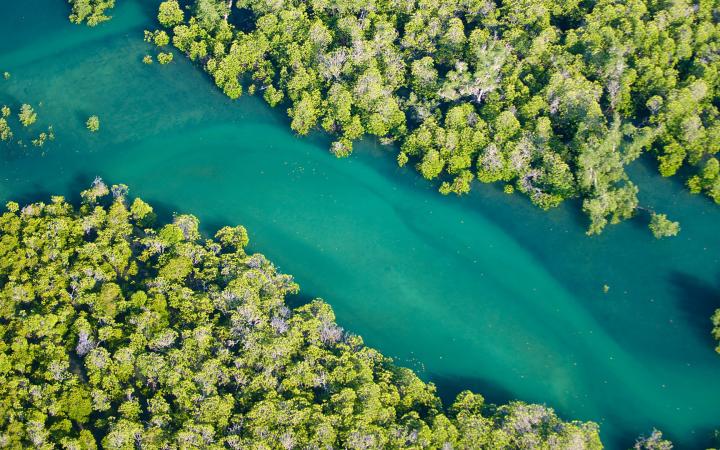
484,292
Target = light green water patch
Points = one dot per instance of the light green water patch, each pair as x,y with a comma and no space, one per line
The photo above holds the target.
485,292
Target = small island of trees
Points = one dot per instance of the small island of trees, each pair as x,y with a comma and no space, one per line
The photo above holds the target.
93,123
27,115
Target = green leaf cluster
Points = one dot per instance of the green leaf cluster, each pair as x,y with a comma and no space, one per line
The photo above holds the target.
27,115
93,123
91,12
662,227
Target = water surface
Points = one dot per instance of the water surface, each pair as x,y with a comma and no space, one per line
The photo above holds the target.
484,292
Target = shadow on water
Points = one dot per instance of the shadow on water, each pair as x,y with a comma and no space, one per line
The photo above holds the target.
707,438
698,300
82,181
449,386
79,183
82,115
480,199
648,162
150,10
641,219
164,211
625,437
38,193
209,227
300,299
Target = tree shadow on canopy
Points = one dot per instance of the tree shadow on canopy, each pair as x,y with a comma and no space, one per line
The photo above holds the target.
697,299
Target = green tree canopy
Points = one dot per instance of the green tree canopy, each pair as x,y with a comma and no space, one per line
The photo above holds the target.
27,115
93,123
662,227
91,12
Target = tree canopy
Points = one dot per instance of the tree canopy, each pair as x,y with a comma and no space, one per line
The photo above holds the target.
27,115
661,226
91,12
120,333
93,123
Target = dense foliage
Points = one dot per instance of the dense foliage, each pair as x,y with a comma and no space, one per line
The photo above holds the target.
91,12
661,226
93,123
27,115
118,334
6,133
716,328
553,98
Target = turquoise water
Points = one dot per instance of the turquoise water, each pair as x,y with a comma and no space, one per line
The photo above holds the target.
484,292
